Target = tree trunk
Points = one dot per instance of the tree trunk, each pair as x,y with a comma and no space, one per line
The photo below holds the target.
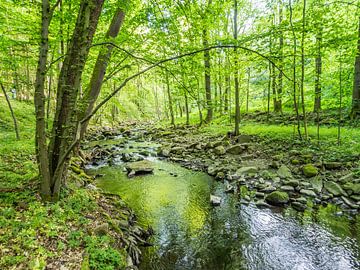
187,108
65,126
278,104
318,69
303,70
11,111
39,101
209,108
355,107
93,90
248,91
294,72
171,109
227,93
236,76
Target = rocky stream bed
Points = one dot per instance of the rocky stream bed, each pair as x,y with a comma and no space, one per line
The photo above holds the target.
250,174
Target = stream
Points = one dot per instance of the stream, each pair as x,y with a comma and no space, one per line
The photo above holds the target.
191,234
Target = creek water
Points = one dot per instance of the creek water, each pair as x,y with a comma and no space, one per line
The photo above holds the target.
191,234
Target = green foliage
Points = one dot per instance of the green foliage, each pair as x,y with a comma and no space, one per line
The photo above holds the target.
105,259
32,233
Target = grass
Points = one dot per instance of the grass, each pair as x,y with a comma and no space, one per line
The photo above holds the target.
34,235
287,134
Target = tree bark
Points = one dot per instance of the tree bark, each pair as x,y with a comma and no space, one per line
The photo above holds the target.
65,126
303,70
278,103
296,108
236,77
318,70
171,108
187,108
209,108
248,90
355,106
39,101
93,90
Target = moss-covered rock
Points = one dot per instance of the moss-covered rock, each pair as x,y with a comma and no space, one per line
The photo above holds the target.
334,188
310,170
277,198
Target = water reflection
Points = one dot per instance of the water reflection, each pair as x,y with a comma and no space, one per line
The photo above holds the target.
192,235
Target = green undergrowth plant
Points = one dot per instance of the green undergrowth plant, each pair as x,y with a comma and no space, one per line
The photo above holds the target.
34,235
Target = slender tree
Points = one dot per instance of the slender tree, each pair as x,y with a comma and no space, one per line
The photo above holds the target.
16,128
236,74
355,107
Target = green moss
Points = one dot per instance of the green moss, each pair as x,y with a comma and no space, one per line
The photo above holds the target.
310,170
277,198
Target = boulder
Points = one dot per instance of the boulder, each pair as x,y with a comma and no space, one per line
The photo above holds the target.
284,172
298,206
317,184
346,178
295,162
165,152
102,229
308,192
214,170
352,188
334,188
349,203
139,167
219,150
177,150
215,200
246,170
277,198
332,165
293,182
287,188
310,170
244,139
235,150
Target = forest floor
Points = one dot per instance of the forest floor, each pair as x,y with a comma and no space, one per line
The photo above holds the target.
88,229
83,230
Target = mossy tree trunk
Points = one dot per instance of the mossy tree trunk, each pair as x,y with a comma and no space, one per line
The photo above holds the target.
53,159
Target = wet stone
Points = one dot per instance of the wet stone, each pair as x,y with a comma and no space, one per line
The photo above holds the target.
287,188
308,192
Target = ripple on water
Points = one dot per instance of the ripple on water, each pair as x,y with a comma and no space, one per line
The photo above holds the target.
192,235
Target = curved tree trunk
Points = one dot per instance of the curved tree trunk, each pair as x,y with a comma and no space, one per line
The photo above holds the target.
11,111
97,78
53,160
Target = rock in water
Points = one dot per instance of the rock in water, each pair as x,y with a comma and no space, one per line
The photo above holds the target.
310,170
215,200
277,198
139,167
